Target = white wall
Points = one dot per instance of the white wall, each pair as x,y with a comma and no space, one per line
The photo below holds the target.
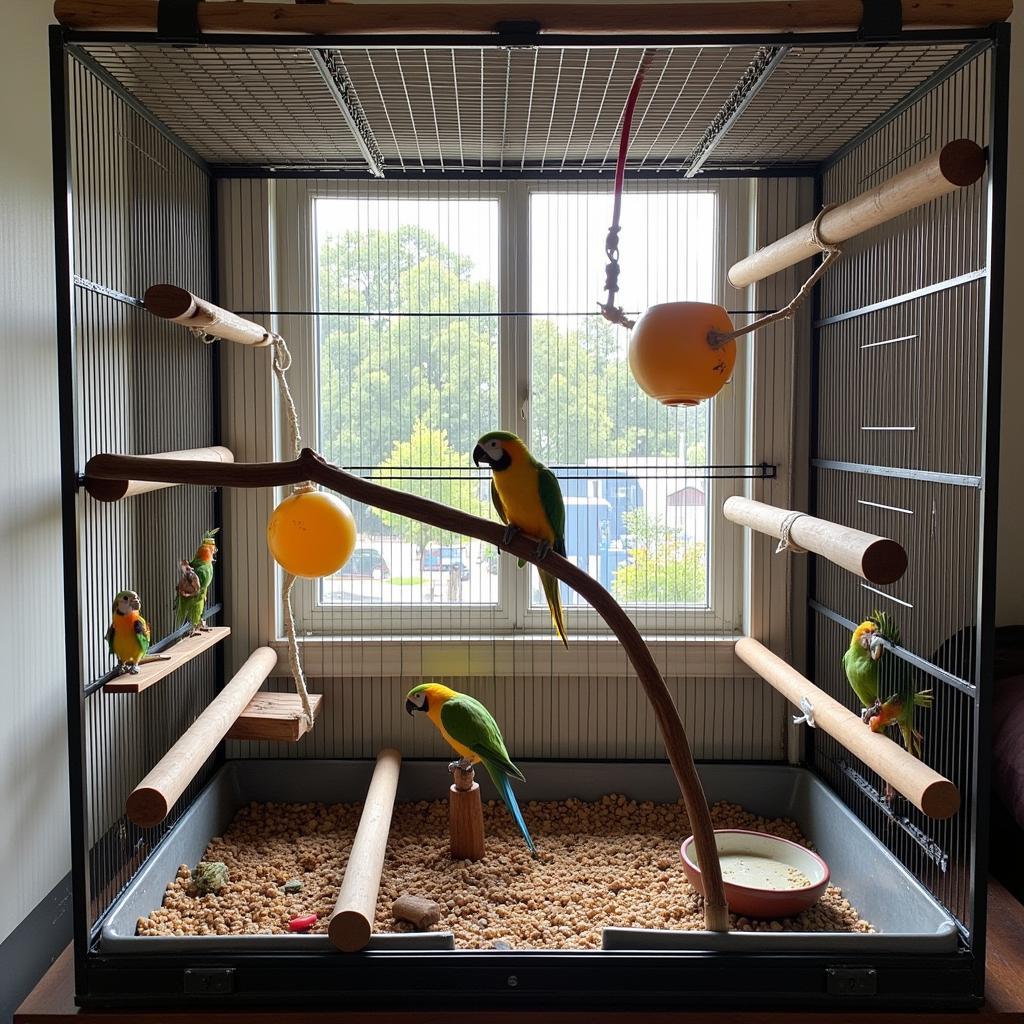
34,847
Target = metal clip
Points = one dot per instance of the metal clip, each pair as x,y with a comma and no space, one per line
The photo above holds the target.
808,713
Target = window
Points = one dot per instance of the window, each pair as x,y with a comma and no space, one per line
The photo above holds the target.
446,310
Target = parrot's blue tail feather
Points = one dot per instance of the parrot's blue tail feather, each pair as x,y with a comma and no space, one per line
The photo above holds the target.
505,788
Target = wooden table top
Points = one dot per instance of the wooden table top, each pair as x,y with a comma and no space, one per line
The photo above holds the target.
52,1000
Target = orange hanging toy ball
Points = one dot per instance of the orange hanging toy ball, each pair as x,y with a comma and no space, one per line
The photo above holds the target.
311,534
673,353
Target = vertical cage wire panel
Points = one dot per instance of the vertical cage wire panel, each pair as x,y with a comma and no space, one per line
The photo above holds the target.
431,313
899,449
140,216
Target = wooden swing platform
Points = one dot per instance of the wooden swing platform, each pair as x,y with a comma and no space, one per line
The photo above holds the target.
274,716
52,1000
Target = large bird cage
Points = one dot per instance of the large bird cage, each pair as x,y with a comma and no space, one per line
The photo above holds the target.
221,162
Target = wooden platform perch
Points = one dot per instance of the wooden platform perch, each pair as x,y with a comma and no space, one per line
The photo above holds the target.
171,659
351,924
924,788
562,18
152,799
275,716
169,302
313,467
114,490
957,164
877,559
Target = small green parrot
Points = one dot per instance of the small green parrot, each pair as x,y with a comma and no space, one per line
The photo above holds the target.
527,498
194,582
861,662
471,731
128,635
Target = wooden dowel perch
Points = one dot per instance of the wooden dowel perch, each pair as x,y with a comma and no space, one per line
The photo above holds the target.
924,788
169,302
877,559
114,490
312,467
351,923
465,817
957,164
152,799
567,18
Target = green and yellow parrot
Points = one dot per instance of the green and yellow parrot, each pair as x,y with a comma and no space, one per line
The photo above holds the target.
471,731
128,635
194,581
527,498
861,662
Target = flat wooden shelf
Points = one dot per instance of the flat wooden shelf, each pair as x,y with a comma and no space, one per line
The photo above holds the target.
274,716
152,672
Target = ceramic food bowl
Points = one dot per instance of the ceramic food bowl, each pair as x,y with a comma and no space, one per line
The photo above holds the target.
764,876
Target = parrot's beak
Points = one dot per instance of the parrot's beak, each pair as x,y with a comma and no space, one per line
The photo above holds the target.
479,456
875,647
410,707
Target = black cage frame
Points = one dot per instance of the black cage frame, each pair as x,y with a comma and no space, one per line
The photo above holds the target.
527,979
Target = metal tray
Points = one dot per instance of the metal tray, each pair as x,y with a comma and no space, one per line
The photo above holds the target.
906,917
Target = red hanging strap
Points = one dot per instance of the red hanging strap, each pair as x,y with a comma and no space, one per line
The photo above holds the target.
609,310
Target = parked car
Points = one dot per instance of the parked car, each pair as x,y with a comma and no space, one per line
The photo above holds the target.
366,563
444,558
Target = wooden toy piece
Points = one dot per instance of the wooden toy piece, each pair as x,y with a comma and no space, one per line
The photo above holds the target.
152,799
351,923
877,559
169,302
959,163
421,913
114,490
924,788
275,716
465,816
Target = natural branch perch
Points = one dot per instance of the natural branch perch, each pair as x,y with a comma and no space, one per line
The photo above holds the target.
310,466
351,924
877,559
562,18
170,302
152,799
957,164
924,788
114,490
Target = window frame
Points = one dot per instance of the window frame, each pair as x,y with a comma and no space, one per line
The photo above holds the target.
294,249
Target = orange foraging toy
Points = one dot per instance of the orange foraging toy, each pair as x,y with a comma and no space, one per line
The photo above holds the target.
674,354
311,533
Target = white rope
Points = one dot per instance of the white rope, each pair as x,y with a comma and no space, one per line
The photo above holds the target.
786,543
282,361
293,649
832,253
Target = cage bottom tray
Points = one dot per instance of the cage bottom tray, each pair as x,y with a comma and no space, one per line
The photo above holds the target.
905,918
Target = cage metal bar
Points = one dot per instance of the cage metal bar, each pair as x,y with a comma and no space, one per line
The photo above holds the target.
953,479
987,566
756,77
67,388
335,76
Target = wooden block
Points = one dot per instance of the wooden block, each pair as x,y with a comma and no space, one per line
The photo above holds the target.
180,654
417,910
274,716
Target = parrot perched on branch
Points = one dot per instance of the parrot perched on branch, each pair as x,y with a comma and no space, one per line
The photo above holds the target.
194,581
471,731
128,635
861,662
527,498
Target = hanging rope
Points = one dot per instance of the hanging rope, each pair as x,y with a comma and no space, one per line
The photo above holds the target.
832,253
282,361
615,314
